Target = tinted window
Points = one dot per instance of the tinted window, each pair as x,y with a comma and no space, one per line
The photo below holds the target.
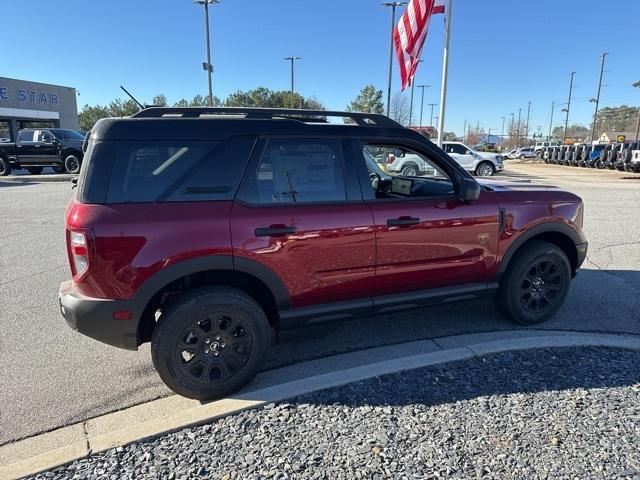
68,134
300,171
143,171
455,148
44,136
26,136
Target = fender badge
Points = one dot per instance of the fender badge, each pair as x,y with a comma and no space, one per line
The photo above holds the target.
482,238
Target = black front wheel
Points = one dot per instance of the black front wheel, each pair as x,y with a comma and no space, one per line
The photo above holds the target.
72,164
535,284
210,342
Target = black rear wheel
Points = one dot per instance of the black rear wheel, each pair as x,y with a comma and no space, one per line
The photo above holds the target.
210,342
535,284
5,168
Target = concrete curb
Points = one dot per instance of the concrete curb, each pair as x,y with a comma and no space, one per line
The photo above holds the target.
51,449
30,179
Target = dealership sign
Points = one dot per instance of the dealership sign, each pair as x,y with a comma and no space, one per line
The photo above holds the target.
29,96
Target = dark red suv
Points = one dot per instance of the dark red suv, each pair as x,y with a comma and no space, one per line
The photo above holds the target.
206,230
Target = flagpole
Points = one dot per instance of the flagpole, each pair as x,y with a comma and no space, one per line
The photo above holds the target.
445,68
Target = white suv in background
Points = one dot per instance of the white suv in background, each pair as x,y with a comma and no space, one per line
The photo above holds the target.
482,164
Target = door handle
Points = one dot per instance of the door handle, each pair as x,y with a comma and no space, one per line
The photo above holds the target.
275,231
403,222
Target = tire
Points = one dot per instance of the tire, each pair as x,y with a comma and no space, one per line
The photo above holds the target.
535,284
35,170
182,342
485,169
72,164
521,157
5,168
59,168
410,170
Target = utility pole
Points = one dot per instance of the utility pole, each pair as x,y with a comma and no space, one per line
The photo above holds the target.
464,130
393,6
553,105
513,122
411,103
489,136
518,129
597,102
566,119
293,92
527,127
637,85
422,101
502,135
431,120
207,66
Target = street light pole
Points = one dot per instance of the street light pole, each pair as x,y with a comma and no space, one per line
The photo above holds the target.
595,113
566,119
431,120
464,130
422,101
207,66
293,92
502,135
393,6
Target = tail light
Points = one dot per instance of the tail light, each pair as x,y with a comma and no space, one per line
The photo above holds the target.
78,253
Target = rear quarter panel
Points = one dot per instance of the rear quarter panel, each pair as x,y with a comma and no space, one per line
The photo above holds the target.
131,242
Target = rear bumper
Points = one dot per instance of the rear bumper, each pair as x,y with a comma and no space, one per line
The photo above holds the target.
93,317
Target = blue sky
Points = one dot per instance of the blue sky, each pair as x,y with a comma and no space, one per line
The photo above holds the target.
504,53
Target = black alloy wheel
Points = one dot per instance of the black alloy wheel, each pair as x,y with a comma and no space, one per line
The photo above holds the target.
540,286
210,342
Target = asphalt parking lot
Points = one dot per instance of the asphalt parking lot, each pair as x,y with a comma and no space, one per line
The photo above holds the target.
52,376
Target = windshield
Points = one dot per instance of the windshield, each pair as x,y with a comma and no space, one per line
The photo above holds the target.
67,134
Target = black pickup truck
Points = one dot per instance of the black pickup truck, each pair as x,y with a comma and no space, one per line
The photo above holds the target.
38,148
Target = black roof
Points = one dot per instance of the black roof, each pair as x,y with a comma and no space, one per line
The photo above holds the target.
211,123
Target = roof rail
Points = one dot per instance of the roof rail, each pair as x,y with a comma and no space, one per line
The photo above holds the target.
308,116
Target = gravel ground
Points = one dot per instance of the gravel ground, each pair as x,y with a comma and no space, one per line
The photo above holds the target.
562,413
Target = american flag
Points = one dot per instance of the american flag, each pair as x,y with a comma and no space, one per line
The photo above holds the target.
410,34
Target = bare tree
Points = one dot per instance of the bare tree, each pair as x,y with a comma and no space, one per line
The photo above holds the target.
400,108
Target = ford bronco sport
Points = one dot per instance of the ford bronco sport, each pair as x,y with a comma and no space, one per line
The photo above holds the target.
206,230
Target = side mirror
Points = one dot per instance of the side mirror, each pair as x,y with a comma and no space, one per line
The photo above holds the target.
470,190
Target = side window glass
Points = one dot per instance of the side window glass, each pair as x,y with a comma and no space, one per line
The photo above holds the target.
301,171
26,136
44,136
399,172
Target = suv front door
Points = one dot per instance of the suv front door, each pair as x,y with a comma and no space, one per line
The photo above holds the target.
460,154
430,240
300,213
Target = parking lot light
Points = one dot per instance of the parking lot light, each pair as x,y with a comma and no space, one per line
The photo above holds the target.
207,66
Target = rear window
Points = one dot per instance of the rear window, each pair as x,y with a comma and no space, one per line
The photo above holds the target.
163,170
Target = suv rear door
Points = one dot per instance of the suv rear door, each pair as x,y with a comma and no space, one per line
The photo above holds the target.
432,241
299,212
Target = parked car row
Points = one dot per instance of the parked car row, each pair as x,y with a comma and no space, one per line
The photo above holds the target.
35,149
481,164
620,156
